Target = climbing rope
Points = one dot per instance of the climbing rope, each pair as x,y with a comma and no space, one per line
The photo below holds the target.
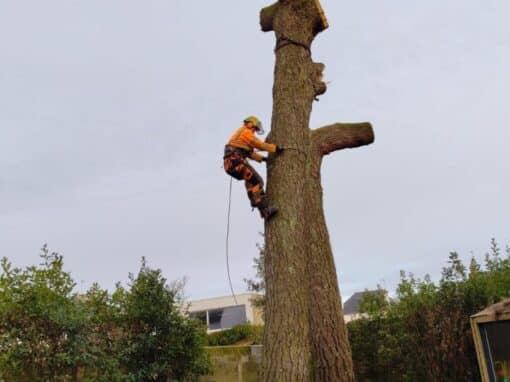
295,149
226,241
228,226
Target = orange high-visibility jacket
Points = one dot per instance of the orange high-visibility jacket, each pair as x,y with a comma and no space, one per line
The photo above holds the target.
244,139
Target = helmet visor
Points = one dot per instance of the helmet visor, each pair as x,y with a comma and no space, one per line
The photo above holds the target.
260,128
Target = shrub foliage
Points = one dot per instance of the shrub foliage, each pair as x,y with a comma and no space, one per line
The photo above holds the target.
426,334
252,334
50,333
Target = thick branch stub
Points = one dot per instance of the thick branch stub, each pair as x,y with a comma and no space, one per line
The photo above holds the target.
341,136
314,8
319,86
267,17
322,22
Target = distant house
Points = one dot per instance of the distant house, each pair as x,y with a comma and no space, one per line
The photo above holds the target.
352,305
219,313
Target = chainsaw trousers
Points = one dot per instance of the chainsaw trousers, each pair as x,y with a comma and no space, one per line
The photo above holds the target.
236,165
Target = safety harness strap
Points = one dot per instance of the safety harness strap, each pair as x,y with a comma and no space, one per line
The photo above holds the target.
284,41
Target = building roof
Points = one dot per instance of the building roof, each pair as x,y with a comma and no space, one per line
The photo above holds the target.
222,301
494,311
351,306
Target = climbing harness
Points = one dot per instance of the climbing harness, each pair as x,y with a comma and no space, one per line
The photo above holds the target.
226,240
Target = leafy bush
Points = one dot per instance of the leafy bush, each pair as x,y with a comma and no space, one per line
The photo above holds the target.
48,333
236,334
159,343
44,328
426,335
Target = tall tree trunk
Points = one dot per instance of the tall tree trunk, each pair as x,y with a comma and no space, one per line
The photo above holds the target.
305,337
331,350
288,358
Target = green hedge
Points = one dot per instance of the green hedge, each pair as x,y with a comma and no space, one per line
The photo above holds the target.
50,333
236,334
426,335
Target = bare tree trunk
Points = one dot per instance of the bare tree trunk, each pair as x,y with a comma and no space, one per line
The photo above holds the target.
331,350
287,355
305,336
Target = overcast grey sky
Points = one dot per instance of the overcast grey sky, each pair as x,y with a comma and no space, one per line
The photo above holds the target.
113,117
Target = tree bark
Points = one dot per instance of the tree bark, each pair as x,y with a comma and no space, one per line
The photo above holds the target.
341,136
331,351
287,352
305,337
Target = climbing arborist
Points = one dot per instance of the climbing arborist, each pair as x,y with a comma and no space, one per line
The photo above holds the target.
240,146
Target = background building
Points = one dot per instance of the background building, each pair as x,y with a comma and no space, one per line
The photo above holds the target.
220,313
352,305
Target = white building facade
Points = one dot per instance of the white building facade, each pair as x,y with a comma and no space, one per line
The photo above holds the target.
220,313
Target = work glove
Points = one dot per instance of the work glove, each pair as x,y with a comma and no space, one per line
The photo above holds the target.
279,150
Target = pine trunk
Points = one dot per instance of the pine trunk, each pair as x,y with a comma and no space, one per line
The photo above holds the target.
305,338
286,315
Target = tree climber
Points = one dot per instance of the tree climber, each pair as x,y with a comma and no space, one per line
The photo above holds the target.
240,146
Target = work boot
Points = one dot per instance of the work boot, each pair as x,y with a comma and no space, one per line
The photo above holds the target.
268,212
